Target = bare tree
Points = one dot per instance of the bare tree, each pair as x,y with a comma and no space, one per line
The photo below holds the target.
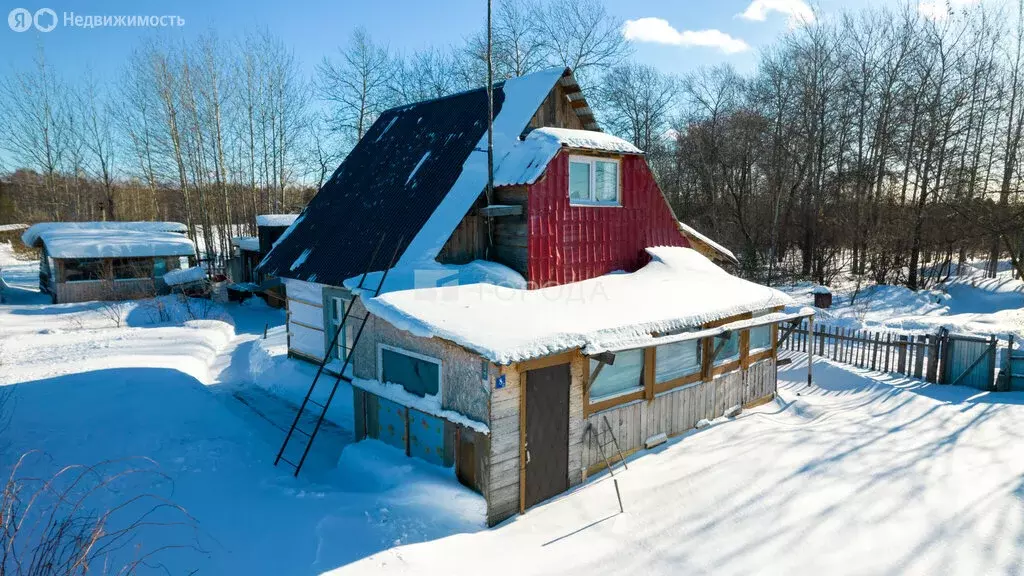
355,84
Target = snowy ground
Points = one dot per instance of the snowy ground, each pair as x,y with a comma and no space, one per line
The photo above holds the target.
861,474
967,304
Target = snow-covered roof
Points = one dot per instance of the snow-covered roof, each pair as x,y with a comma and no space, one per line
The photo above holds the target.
677,290
250,243
525,161
409,181
690,231
31,236
184,276
276,219
433,274
585,140
105,242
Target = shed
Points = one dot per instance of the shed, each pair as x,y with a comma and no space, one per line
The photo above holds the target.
82,261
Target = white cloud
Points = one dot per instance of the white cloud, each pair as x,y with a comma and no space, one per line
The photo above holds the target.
659,31
797,10
940,9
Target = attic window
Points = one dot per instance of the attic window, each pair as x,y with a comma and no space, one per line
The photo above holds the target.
593,181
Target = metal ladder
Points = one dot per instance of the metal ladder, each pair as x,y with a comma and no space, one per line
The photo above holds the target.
309,436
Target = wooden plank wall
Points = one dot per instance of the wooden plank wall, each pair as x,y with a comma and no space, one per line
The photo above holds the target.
469,240
674,412
556,111
503,471
105,290
510,232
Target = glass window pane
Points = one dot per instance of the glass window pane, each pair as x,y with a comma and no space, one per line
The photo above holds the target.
677,360
606,176
417,376
731,350
760,337
579,181
626,375
86,269
159,267
131,268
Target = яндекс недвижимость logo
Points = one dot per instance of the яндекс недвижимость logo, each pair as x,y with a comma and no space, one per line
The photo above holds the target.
20,19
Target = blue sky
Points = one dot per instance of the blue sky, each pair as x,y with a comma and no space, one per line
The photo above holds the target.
674,35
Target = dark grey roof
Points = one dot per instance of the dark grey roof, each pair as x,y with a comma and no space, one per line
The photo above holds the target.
389,185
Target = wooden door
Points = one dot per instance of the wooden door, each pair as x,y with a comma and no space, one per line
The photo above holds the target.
547,433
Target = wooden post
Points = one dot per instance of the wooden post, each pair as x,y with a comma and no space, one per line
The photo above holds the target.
889,348
810,351
901,352
992,343
933,358
874,352
919,358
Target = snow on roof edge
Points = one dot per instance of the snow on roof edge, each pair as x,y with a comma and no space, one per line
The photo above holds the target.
31,236
276,220
714,245
523,96
678,289
585,140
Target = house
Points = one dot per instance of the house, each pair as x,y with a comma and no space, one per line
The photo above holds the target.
250,250
81,261
516,338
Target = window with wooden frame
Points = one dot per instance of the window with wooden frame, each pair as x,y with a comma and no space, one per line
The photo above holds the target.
418,374
132,268
676,364
84,270
730,348
593,181
760,338
619,380
338,306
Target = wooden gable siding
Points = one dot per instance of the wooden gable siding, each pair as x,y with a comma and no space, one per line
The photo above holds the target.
510,231
469,240
557,112
572,243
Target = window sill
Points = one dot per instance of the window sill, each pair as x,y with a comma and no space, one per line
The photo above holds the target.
729,366
581,204
83,281
666,386
613,401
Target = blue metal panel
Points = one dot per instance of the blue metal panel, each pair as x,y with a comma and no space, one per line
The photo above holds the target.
391,422
963,353
426,437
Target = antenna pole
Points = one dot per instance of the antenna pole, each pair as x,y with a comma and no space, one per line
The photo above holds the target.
489,191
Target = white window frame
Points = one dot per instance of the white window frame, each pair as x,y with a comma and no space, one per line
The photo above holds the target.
593,161
339,346
410,353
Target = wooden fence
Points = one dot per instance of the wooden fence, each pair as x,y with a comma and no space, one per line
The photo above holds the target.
931,357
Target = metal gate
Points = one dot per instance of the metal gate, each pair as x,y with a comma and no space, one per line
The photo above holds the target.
970,361
1014,367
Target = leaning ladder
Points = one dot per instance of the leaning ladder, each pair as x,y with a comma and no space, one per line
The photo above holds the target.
309,436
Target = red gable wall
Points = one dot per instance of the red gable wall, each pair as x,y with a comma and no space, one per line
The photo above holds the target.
572,243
